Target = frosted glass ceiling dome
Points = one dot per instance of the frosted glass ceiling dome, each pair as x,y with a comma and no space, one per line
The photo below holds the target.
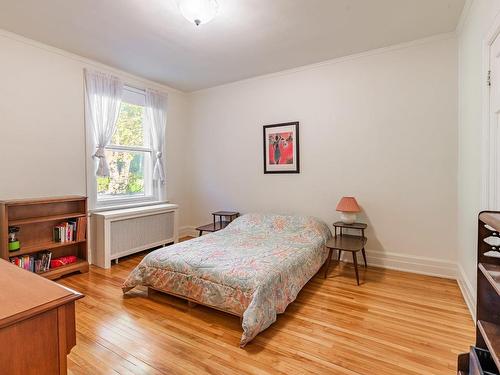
199,11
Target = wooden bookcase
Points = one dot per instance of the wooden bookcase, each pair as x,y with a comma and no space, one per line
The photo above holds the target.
484,358
36,219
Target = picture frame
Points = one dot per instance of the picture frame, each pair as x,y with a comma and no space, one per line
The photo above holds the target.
281,148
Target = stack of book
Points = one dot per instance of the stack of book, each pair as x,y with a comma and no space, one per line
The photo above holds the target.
71,230
35,263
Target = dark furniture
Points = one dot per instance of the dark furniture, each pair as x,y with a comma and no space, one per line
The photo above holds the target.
484,358
224,218
37,323
347,242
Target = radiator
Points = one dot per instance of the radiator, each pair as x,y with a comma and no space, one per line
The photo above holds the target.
118,233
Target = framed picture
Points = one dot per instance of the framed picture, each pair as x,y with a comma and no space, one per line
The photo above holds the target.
281,148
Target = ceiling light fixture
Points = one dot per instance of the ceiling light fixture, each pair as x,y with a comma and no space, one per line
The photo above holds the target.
199,11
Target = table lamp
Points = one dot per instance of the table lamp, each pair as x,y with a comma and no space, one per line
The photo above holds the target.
348,207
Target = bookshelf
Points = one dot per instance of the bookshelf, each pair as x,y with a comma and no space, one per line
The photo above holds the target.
484,357
36,219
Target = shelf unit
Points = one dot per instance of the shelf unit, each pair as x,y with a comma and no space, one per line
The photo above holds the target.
490,332
492,274
36,247
36,219
485,356
32,220
79,266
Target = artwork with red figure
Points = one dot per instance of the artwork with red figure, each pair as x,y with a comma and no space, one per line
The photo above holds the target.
281,148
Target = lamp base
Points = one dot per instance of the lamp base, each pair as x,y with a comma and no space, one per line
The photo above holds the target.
347,217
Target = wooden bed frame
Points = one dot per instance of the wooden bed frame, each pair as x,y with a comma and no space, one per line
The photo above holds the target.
191,302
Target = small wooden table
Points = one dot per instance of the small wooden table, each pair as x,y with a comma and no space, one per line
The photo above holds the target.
347,242
218,224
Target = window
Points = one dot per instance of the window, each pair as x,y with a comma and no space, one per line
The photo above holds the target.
129,156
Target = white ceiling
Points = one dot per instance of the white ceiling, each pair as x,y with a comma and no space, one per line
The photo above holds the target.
150,38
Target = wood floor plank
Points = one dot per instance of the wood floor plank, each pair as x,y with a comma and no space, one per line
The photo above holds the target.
393,323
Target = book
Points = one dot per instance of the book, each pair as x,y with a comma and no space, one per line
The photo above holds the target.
39,262
81,228
67,231
62,261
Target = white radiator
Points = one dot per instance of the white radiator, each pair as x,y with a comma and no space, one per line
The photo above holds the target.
123,232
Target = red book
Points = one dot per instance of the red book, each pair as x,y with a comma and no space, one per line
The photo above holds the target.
62,261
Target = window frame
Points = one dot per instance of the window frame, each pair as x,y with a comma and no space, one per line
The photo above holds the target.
152,193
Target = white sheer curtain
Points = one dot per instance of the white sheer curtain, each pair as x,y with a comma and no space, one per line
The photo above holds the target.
103,98
156,118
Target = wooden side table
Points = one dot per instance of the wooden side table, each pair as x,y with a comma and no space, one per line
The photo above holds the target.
223,215
218,224
347,242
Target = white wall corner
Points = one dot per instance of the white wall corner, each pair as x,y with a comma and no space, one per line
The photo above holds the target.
463,16
467,290
126,76
187,231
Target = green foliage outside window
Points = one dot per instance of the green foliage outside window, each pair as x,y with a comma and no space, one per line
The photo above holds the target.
129,126
126,167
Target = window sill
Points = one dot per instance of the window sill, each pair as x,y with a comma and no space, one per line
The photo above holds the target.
126,205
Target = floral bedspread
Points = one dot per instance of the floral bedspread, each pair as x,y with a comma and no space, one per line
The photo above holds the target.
254,267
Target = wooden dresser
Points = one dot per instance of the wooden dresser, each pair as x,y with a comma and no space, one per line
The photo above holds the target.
37,323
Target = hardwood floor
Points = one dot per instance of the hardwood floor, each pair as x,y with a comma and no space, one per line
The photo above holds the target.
394,323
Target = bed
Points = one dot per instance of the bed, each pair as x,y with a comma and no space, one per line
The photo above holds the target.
254,268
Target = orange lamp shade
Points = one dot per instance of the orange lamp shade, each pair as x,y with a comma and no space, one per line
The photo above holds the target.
348,204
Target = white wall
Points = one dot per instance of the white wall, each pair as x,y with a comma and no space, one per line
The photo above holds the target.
42,139
381,126
471,83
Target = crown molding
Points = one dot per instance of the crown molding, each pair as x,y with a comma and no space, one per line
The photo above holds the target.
86,62
464,16
144,81
338,60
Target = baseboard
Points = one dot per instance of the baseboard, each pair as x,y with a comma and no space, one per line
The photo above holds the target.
467,290
425,266
187,231
410,263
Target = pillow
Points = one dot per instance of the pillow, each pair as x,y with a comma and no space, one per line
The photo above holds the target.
285,224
